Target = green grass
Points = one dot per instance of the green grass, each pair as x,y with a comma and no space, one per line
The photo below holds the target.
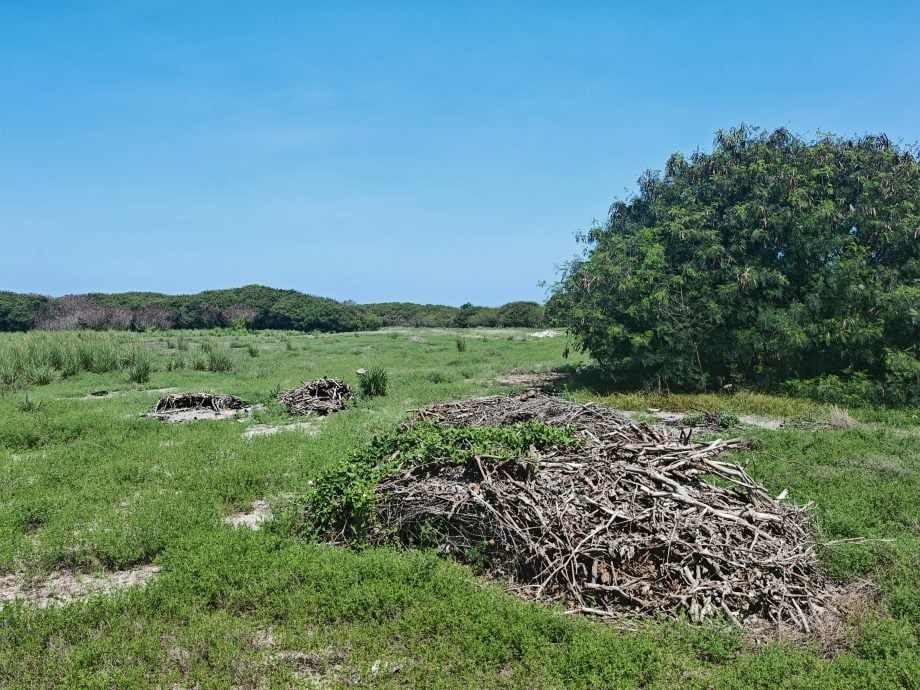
87,484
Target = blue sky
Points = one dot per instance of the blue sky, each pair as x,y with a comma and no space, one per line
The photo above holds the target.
427,152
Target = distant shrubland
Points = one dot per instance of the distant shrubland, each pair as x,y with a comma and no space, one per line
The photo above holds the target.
252,306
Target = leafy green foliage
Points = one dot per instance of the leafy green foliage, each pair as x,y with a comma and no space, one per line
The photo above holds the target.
461,343
770,259
343,504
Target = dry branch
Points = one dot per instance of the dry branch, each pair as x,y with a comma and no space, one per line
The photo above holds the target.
632,524
321,396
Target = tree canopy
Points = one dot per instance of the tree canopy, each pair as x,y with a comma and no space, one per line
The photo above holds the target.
771,258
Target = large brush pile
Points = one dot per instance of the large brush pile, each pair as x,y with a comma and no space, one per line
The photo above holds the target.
321,396
631,523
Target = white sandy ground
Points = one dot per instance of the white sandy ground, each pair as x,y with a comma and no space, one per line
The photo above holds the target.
271,429
544,334
63,587
258,513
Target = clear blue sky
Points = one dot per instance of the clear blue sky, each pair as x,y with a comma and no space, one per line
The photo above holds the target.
428,152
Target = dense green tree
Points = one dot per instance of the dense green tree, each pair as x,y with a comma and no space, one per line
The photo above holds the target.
17,311
771,258
520,315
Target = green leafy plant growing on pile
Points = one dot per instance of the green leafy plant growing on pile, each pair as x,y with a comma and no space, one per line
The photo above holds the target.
343,505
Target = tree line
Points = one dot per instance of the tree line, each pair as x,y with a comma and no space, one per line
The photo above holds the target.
251,306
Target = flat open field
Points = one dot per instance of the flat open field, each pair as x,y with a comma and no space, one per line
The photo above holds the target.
94,497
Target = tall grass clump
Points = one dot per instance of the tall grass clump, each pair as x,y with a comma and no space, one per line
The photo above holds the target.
219,360
252,350
375,382
461,343
40,374
139,367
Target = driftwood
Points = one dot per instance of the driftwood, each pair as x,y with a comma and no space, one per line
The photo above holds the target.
633,523
321,396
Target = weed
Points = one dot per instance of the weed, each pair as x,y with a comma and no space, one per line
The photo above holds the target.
139,368
252,350
461,343
41,374
181,343
28,404
175,363
375,382
219,360
839,418
439,377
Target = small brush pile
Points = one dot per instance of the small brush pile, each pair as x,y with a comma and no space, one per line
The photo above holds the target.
321,396
631,523
214,402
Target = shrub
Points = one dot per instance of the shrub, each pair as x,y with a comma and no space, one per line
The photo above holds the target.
771,258
375,382
28,404
461,343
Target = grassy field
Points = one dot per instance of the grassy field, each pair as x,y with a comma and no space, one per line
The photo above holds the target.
87,485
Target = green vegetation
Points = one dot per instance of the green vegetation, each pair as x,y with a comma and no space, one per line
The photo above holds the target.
770,260
86,484
342,505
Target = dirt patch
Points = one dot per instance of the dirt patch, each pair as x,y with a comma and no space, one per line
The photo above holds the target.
63,587
188,407
534,379
272,429
104,394
321,396
762,422
258,513
676,419
544,334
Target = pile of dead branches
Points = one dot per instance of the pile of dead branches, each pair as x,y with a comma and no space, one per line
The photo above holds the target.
632,523
321,396
216,402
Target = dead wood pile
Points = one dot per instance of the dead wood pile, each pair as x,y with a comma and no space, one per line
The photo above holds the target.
321,396
631,524
216,402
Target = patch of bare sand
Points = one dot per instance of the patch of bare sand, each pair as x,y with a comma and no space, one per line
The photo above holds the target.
271,429
63,587
258,513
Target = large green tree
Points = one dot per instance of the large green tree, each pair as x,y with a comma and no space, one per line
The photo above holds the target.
770,258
